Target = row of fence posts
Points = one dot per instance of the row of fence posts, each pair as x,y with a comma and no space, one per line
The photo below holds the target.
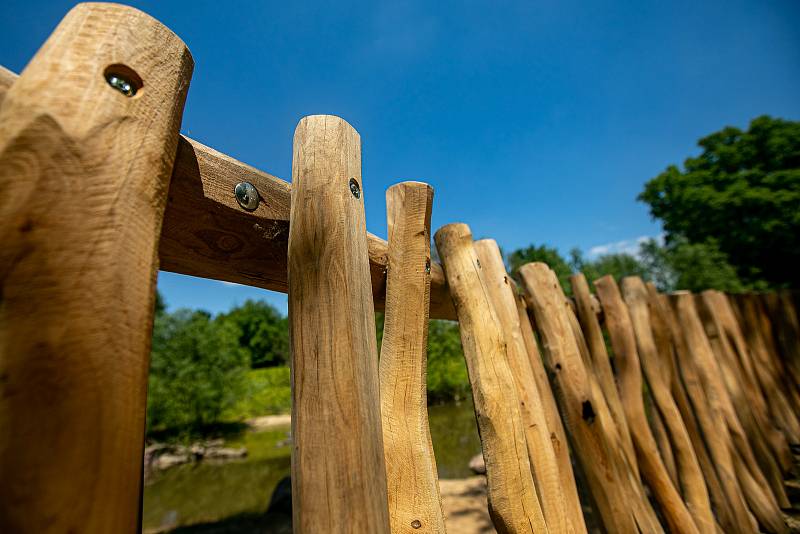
680,409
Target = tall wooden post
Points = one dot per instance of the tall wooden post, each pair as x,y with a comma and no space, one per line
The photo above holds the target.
88,135
414,501
513,501
338,472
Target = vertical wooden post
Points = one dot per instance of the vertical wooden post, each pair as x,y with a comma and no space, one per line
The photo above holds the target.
656,369
414,500
630,385
84,173
558,436
338,472
540,448
513,502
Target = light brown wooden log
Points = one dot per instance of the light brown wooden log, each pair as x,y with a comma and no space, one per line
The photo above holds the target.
537,434
750,428
513,501
413,485
586,307
582,407
709,403
783,316
558,437
657,372
207,234
662,439
84,172
778,364
620,331
666,330
338,472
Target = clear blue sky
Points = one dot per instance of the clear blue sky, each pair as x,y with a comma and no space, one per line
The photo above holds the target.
536,122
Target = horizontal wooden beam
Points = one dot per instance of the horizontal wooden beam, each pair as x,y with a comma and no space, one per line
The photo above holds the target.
207,234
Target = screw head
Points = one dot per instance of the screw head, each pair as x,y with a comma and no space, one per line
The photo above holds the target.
121,84
354,188
428,266
247,195
416,523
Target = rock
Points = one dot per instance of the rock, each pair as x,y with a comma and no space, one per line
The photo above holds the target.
167,460
224,453
477,464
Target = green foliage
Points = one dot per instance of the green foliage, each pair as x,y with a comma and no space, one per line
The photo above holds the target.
267,391
617,265
264,332
447,369
743,191
196,370
692,266
543,254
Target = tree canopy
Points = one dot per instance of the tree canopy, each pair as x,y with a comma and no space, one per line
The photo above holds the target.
742,192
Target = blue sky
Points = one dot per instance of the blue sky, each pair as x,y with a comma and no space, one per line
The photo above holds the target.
536,122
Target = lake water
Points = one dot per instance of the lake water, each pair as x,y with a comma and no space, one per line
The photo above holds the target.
209,493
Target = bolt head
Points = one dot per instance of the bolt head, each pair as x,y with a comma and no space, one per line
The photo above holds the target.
416,523
354,188
247,195
121,84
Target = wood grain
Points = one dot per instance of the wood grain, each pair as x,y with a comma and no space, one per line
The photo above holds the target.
84,172
414,501
207,234
540,448
513,500
657,371
582,405
338,471
558,436
623,341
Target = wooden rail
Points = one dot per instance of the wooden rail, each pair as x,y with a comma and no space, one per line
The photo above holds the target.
698,410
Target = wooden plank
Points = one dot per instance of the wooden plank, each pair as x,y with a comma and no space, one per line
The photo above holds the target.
338,471
583,408
414,501
540,449
558,437
513,501
207,234
623,341
657,372
84,171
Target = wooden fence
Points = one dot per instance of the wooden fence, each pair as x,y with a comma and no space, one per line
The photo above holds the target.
687,428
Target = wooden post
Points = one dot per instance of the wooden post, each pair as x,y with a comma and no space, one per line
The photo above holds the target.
623,341
84,171
513,501
540,448
558,437
338,472
656,369
601,363
594,436
414,501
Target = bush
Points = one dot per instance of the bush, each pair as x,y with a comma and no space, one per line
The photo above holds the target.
268,391
197,370
447,369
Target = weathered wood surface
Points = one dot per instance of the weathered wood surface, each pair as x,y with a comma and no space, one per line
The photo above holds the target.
84,172
623,341
540,449
558,436
513,500
583,408
654,357
601,364
413,485
338,471
207,234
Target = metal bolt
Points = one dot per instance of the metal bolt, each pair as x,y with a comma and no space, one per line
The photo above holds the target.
354,188
428,266
479,263
416,523
247,195
121,84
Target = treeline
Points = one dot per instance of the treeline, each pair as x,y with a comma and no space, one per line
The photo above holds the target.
732,222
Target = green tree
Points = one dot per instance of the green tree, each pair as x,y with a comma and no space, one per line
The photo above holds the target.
264,332
692,266
447,370
743,191
618,265
197,370
544,254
